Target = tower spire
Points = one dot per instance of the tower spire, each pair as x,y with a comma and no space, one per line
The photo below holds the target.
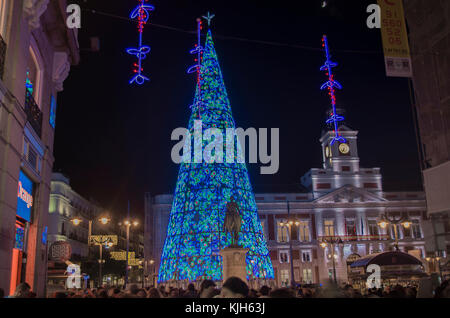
331,84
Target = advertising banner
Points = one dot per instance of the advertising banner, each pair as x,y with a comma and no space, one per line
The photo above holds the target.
24,197
395,39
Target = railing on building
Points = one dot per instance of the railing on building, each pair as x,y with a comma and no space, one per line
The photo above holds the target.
350,238
34,114
2,57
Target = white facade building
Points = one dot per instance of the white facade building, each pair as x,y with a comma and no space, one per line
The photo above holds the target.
345,201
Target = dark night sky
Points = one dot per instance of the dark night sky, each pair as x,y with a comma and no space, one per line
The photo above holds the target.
113,139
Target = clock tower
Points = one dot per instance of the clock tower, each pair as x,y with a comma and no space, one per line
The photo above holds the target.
340,155
339,148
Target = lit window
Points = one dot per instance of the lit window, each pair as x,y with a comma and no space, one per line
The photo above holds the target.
3,18
303,231
282,232
284,276
329,227
307,276
33,75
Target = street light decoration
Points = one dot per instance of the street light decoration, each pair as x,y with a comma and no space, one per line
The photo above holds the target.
76,221
104,220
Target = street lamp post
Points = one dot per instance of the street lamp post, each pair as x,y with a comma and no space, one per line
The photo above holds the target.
103,220
290,224
386,220
333,241
128,224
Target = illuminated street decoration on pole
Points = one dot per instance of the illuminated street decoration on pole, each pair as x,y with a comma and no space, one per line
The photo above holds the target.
331,84
195,234
142,14
198,49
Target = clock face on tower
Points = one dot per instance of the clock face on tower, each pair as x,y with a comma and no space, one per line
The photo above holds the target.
344,148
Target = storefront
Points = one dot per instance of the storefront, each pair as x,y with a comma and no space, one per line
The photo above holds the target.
23,219
396,268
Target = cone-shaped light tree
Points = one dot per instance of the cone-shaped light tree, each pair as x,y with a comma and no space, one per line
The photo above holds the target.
195,232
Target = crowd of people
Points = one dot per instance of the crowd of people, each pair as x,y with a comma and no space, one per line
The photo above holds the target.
234,287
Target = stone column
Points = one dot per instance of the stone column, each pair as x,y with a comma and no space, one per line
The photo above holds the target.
234,263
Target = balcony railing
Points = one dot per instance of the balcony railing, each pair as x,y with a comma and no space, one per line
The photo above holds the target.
347,238
2,56
34,114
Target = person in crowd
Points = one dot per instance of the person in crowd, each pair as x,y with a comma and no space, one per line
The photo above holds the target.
282,293
59,295
141,293
207,289
2,293
234,287
252,293
443,291
190,293
153,293
264,291
133,289
162,291
22,291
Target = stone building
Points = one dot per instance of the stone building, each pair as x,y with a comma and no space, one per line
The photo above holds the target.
66,205
430,46
36,53
341,201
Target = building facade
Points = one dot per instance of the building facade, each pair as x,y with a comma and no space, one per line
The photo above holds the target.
36,53
430,46
344,202
65,206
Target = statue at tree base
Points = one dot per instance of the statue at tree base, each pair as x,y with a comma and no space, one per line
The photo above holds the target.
232,223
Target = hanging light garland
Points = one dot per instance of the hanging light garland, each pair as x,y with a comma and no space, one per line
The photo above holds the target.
142,14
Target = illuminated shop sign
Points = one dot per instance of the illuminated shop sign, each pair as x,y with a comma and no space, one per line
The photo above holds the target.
24,197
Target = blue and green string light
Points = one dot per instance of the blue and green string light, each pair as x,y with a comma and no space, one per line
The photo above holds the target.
195,232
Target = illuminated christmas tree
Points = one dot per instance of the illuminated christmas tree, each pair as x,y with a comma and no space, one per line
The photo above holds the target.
195,232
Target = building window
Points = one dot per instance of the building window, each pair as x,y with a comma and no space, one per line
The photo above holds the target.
329,227
4,17
303,231
282,232
284,276
345,168
32,156
263,229
306,256
415,228
284,256
34,73
350,227
392,231
307,276
370,185
323,186
373,227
